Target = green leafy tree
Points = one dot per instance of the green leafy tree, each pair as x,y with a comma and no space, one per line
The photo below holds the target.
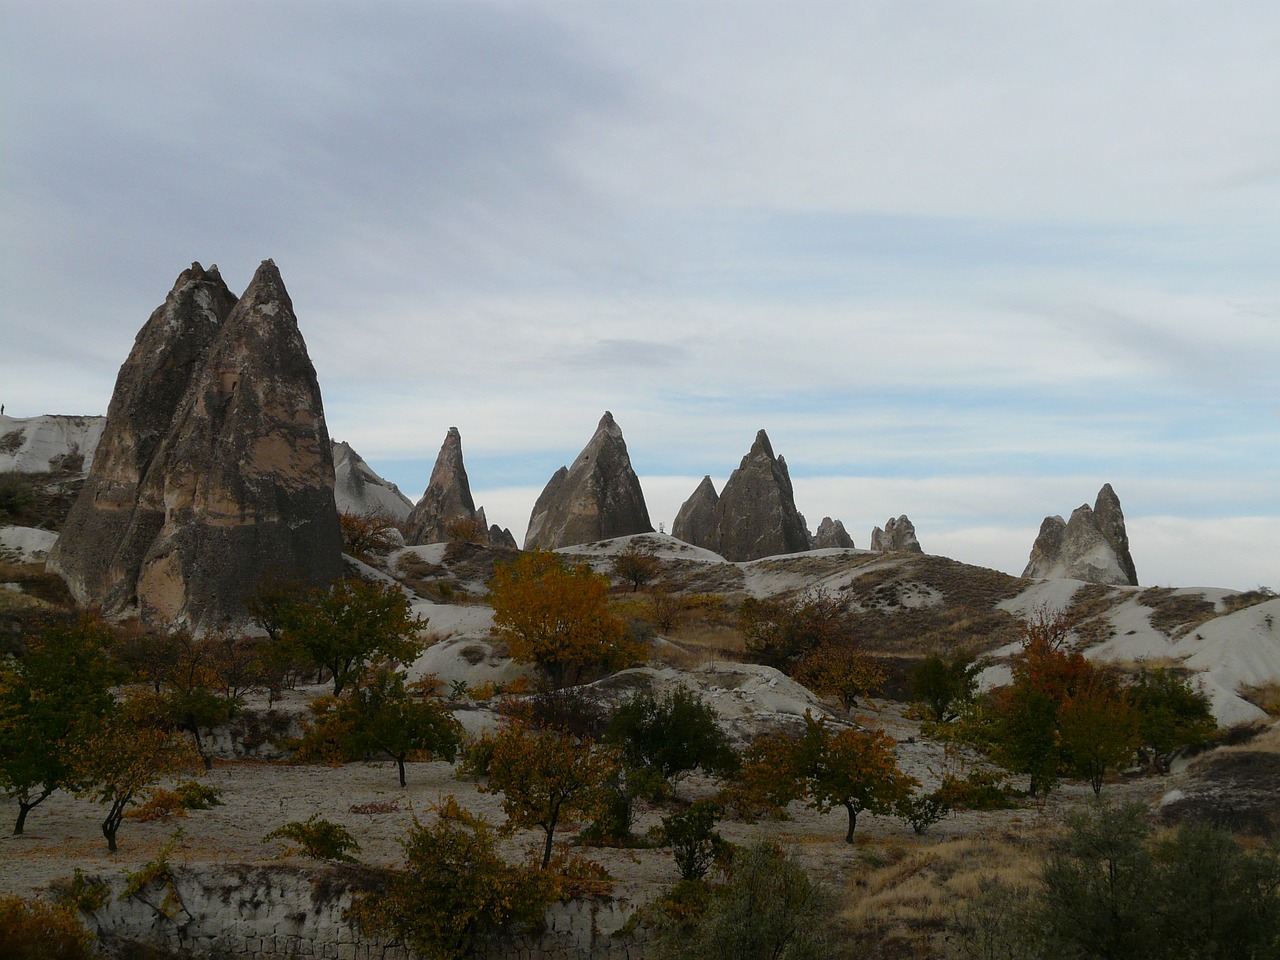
558,617
1172,715
122,755
385,717
58,687
944,685
693,838
348,625
546,776
673,735
455,892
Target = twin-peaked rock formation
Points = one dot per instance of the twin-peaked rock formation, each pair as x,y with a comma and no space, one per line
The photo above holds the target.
1092,546
215,467
598,498
754,517
898,536
446,510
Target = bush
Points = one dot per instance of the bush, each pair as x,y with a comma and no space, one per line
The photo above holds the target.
32,930
317,838
923,810
164,804
693,838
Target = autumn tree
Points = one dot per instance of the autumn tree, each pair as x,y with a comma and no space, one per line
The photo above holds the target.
384,717
58,687
636,565
839,670
122,755
557,616
191,694
1097,729
545,776
454,891
365,533
349,624
778,632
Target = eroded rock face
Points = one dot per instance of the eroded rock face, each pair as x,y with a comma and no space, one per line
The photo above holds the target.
447,503
831,533
598,498
1092,546
898,536
695,521
756,515
215,468
358,489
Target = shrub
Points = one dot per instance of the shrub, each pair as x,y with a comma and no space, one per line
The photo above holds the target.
32,930
188,795
317,838
694,841
922,810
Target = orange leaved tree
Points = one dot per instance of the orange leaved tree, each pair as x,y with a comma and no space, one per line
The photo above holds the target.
557,616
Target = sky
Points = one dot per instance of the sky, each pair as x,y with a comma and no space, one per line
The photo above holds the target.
966,261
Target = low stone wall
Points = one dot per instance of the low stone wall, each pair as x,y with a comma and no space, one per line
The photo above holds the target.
289,911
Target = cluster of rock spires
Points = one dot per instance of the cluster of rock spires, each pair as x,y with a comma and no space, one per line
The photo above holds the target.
447,509
1092,546
898,536
754,517
215,467
598,498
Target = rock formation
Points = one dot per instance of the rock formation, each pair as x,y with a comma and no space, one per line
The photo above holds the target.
831,533
756,514
695,522
446,504
598,498
49,444
1092,546
898,536
215,468
357,489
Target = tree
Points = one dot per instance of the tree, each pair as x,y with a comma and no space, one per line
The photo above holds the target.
35,930
850,768
779,632
557,617
346,626
58,687
545,776
384,716
841,671
1097,730
943,686
1171,715
363,533
122,756
672,735
191,695
636,565
455,891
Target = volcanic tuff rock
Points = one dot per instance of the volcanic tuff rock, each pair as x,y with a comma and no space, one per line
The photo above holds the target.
447,501
898,536
598,498
50,443
215,468
358,489
831,533
695,522
1092,546
756,515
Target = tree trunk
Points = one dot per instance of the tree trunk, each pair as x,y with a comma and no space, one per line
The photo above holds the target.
26,806
111,825
853,822
400,764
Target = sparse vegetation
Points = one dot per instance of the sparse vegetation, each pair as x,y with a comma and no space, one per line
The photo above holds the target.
317,838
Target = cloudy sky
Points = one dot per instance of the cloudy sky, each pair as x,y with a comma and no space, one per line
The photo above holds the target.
962,260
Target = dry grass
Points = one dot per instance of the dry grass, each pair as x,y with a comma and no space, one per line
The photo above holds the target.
907,899
1176,613
1240,601
1265,697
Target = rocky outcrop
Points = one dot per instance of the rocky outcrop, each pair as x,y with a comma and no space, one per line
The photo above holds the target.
1092,546
447,510
695,521
49,444
756,515
831,533
358,489
598,498
215,468
898,536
